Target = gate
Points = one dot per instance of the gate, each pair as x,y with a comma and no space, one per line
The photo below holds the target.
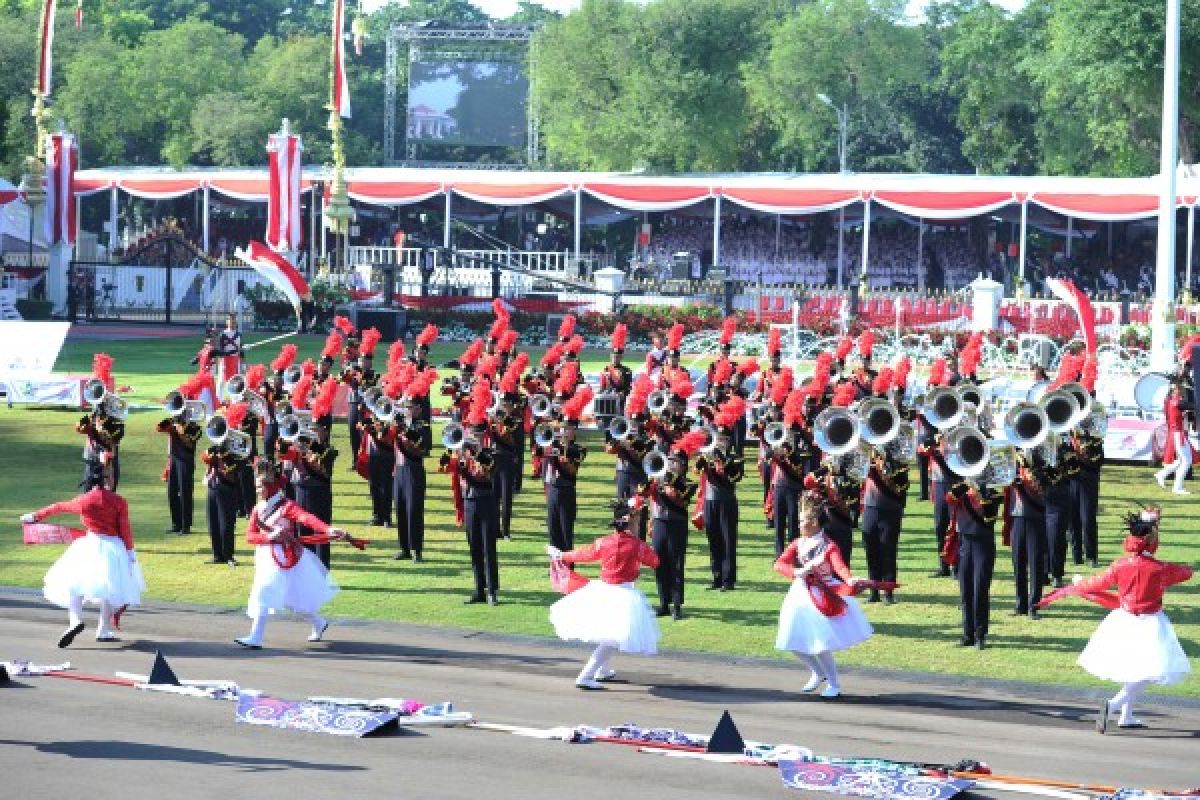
165,280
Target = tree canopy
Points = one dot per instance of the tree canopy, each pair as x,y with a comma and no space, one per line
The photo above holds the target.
1059,87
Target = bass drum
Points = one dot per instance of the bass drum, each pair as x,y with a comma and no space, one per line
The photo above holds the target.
1150,391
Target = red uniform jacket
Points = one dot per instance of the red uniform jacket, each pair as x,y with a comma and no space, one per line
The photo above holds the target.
1174,415
621,555
273,522
102,512
1141,579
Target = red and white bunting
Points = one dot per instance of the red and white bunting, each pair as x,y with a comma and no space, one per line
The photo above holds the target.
284,226
340,90
46,41
62,161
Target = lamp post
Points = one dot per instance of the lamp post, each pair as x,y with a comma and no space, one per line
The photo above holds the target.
1162,330
843,124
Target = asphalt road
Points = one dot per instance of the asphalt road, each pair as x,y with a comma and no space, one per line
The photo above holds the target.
69,739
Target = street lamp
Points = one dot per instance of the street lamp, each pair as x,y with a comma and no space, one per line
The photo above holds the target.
843,124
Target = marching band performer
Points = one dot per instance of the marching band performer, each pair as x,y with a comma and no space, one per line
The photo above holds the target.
104,430
1089,458
817,618
610,612
1058,492
789,465
974,519
771,410
413,441
616,377
507,426
287,576
229,351
1135,645
672,369
560,472
309,465
720,472
98,567
884,497
630,451
1025,520
273,394
250,425
941,477
1179,453
180,475
352,377
470,468
420,359
378,440
670,495
222,477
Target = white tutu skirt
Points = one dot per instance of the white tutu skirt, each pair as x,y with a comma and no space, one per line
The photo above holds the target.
605,613
804,629
1135,647
303,589
96,568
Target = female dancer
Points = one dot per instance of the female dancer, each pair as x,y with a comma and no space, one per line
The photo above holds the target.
1135,645
611,612
98,567
1177,455
286,574
816,619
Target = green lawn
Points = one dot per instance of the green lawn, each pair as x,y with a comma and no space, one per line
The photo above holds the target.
39,463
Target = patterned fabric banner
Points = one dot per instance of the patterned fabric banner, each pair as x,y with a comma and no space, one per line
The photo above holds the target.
312,717
868,780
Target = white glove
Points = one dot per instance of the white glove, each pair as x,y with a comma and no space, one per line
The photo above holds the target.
338,533
28,518
553,551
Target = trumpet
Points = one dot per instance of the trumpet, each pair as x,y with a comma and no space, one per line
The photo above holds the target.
878,421
836,431
177,405
620,428
943,407
655,464
219,433
292,376
1062,410
658,401
1026,425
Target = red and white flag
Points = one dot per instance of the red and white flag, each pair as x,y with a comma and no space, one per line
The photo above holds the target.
1066,290
284,227
62,160
46,41
276,269
79,15
340,101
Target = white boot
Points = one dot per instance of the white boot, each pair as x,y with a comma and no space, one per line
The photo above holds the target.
258,627
319,626
104,631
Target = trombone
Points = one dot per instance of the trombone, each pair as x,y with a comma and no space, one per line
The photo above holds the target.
177,405
219,433
100,398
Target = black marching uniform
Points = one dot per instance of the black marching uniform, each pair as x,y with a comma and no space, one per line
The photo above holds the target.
1089,457
412,443
312,478
884,497
631,477
181,471
246,489
721,476
788,468
976,559
669,537
104,434
1058,512
506,472
224,500
560,472
381,466
941,478
1027,535
479,507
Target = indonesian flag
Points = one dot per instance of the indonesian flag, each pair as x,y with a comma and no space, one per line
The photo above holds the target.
1069,293
276,269
46,40
79,15
284,227
340,101
62,160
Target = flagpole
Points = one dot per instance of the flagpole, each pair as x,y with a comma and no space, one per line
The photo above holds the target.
1162,328
34,181
339,213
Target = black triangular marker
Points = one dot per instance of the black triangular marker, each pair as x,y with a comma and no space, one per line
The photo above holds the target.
725,738
161,673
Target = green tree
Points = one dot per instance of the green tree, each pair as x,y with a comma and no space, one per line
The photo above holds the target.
852,51
229,129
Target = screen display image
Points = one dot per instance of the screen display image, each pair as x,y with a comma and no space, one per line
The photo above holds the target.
467,102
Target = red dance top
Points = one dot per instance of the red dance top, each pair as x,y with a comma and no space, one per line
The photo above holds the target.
831,564
273,522
1141,579
102,512
621,555
1174,415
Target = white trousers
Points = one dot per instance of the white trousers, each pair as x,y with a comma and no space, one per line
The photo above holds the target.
1182,462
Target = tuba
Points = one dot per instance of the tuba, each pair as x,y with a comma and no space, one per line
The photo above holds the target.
1062,410
1083,399
836,431
943,407
1026,425
94,392
544,435
454,437
903,446
296,425
776,435
540,405
620,428
710,440
372,396
970,393
235,388
177,405
219,433
854,463
655,464
967,451
494,406
1001,467
384,410
878,421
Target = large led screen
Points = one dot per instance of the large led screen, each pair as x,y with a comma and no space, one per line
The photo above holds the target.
467,102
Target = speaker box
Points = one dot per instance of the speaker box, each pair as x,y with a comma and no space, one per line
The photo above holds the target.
391,322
